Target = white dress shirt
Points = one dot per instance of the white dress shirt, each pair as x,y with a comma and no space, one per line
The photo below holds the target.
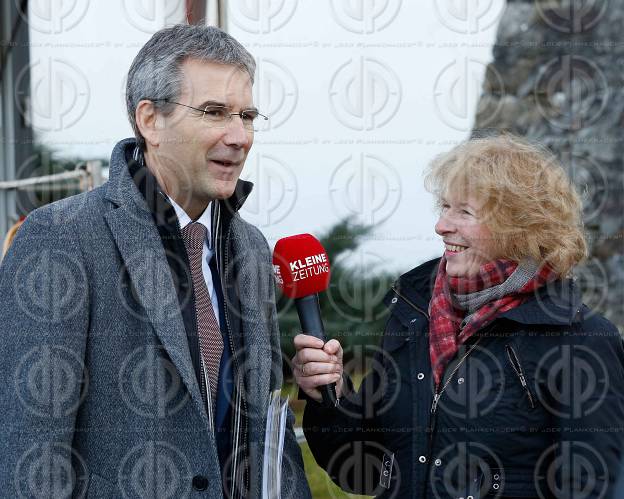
207,252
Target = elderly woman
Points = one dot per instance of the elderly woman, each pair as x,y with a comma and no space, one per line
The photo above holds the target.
493,379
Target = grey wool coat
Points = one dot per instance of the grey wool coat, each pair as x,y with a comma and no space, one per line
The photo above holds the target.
100,398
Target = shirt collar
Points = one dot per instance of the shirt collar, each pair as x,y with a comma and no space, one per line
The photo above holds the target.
184,219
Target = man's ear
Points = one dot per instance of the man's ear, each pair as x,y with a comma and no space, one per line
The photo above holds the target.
147,121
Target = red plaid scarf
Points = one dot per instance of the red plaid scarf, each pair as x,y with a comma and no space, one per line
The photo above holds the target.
445,332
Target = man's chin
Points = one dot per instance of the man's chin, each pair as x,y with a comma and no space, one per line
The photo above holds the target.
224,190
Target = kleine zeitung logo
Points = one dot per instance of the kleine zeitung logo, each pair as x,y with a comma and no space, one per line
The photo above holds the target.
310,266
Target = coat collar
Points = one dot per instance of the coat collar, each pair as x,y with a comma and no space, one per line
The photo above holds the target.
120,191
558,303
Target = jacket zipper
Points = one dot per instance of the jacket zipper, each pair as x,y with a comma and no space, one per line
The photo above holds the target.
409,302
438,390
517,367
240,397
434,407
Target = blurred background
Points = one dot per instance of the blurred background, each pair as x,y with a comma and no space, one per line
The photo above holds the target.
361,95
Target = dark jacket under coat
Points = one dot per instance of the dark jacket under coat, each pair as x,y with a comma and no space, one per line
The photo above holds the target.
534,409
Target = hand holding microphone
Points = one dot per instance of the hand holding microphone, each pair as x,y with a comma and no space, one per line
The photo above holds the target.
302,270
317,364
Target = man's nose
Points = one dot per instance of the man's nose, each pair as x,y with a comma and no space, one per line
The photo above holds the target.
236,134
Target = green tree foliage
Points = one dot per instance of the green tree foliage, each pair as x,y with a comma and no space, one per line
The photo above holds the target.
352,308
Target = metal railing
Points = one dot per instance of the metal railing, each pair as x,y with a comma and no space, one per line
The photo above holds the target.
88,173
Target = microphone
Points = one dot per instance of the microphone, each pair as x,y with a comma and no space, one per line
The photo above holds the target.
301,270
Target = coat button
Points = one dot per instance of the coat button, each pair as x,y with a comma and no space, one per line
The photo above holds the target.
460,380
422,459
438,462
394,300
421,376
200,482
496,476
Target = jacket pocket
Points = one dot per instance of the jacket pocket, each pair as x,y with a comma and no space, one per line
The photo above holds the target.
516,365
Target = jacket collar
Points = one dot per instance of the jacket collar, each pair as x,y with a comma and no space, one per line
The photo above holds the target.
558,303
120,191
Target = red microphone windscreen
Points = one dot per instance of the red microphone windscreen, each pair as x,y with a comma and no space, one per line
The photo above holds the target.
301,265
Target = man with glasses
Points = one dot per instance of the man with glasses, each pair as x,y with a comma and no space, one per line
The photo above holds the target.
140,341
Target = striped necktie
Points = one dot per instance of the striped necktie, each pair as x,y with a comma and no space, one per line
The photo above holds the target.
208,332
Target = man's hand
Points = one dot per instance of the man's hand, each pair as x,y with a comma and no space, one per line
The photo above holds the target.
317,364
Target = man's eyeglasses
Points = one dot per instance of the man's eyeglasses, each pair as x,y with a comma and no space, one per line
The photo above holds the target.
217,116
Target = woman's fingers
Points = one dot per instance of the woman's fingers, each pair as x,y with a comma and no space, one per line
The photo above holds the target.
316,364
333,347
314,368
307,341
310,384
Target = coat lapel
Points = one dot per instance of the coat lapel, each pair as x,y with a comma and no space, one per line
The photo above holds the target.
253,274
145,262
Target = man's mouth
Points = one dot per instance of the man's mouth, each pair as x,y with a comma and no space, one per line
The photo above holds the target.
455,248
225,162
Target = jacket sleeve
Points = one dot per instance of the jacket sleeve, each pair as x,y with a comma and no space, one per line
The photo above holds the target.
586,392
346,441
43,328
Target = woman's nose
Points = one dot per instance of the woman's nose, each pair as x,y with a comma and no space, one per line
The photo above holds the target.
444,225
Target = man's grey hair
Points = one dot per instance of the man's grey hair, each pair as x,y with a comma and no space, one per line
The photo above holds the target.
156,71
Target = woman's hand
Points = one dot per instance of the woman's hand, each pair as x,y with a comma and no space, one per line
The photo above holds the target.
317,364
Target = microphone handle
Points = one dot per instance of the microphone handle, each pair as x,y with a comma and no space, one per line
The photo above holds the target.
309,313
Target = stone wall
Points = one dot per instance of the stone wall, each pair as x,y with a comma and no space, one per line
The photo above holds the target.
557,77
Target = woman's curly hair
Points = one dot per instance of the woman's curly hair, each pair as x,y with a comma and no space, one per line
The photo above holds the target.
527,200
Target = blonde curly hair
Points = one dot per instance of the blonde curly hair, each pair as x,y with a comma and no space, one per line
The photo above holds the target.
527,200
